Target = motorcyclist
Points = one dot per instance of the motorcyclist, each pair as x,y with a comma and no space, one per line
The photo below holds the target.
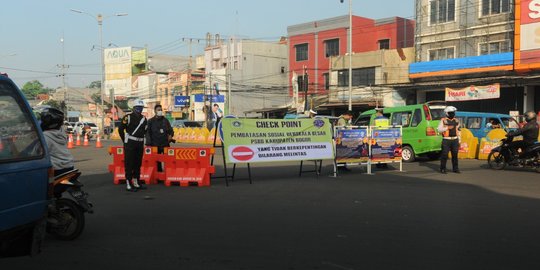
529,132
52,121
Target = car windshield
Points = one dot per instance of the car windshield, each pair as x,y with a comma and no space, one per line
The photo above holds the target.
436,113
510,122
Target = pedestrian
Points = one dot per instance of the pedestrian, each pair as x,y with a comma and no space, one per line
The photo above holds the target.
345,119
449,127
55,137
159,132
132,130
380,119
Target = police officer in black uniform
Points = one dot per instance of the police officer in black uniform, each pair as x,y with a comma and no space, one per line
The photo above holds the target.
132,130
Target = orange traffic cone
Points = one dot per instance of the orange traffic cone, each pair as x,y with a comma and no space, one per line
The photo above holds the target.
85,143
70,142
98,142
78,140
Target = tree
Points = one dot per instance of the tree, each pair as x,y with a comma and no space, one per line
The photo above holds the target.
95,84
96,97
55,104
33,88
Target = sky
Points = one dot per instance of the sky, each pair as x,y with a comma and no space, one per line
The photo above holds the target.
31,30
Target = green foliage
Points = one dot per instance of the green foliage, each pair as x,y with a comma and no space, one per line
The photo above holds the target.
33,88
55,104
95,84
96,97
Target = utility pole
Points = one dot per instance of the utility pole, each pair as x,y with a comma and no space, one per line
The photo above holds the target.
229,76
190,66
63,75
305,84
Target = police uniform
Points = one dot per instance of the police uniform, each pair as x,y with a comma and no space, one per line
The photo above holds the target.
450,142
132,130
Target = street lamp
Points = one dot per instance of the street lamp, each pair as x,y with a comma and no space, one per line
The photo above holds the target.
99,18
350,53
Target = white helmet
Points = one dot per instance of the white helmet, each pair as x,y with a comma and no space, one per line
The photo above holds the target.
138,103
450,109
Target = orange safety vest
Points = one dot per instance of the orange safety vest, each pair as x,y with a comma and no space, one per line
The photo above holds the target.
453,132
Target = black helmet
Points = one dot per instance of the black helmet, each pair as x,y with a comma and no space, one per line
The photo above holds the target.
530,115
51,118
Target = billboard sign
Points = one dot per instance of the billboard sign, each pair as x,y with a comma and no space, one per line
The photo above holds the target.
527,39
181,101
272,140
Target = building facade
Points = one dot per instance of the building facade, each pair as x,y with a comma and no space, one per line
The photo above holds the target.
462,44
313,44
257,72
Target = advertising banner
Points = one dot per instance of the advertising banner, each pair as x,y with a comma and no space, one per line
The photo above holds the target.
386,144
352,145
181,101
473,93
271,140
527,33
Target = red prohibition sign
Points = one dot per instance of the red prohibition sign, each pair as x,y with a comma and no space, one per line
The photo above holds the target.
242,153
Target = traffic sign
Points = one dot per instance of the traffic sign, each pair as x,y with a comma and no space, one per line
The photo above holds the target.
242,153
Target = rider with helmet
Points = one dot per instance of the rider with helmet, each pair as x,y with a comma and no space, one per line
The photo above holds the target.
52,121
132,130
449,127
529,132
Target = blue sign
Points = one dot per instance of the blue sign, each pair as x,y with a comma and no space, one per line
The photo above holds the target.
212,99
181,101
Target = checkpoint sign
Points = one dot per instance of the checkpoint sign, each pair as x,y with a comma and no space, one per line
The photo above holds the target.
186,154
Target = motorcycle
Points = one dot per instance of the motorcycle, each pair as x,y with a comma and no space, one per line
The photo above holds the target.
65,218
502,156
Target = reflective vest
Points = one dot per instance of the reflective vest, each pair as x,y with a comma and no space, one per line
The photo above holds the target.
450,122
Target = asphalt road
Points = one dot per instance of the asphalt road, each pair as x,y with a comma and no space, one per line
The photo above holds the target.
418,219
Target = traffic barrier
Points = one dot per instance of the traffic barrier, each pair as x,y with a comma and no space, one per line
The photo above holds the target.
70,141
85,143
115,135
117,167
78,143
492,140
188,166
149,166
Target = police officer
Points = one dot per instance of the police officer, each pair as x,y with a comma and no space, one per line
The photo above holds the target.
159,133
132,130
449,127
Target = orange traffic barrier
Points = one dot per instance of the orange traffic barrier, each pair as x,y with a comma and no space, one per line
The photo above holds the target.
70,141
98,142
188,166
117,167
85,143
78,140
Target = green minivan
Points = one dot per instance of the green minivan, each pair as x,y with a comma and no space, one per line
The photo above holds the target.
420,121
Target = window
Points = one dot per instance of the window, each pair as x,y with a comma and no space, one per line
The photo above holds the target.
401,119
492,7
474,122
363,120
494,47
332,47
302,83
18,134
417,118
360,77
441,54
442,11
301,52
326,81
384,44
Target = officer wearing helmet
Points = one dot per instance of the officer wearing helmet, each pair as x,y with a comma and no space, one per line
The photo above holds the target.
52,120
132,130
529,132
449,128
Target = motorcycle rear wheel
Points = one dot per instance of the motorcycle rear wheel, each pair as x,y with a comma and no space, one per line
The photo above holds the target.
70,219
496,160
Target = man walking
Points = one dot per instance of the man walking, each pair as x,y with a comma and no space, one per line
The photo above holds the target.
132,130
159,132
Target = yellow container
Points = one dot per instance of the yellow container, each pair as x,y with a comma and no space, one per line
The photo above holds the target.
492,140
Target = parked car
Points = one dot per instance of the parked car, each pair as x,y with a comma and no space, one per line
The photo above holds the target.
186,123
68,127
25,167
419,122
83,128
480,124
